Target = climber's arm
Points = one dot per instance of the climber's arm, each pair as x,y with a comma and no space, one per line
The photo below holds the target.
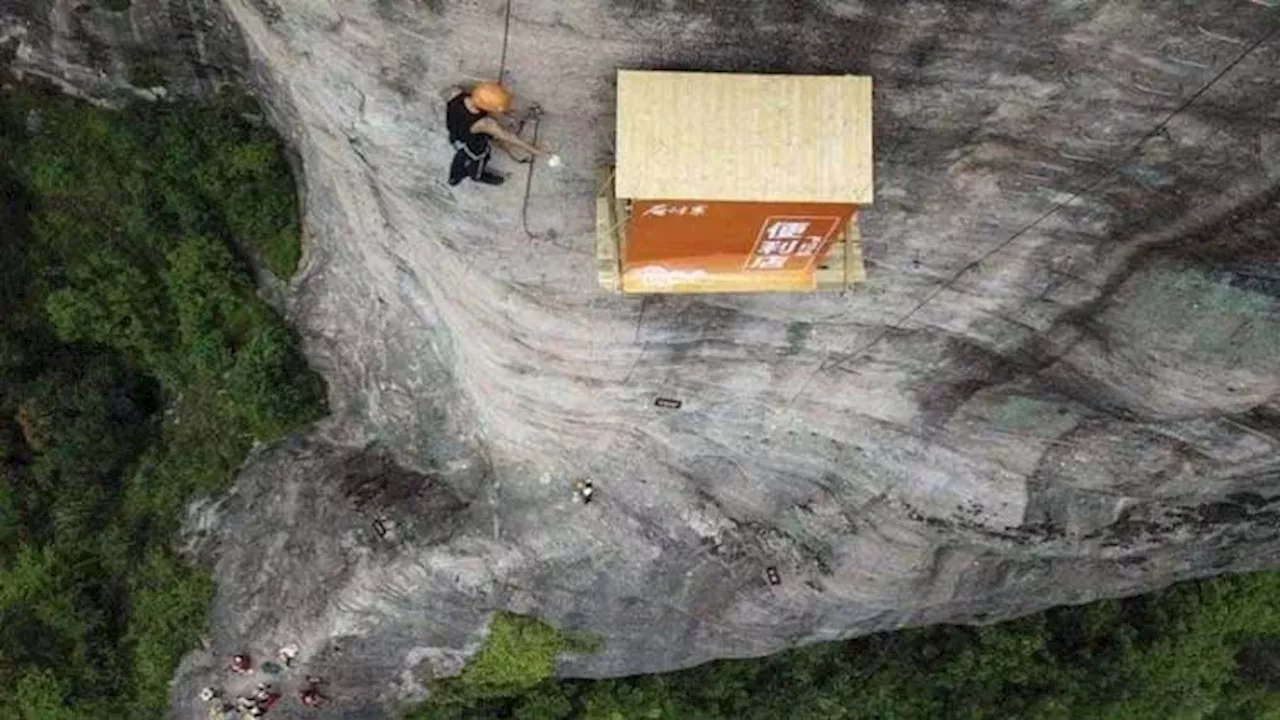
493,129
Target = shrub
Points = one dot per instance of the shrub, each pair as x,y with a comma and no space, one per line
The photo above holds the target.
270,386
148,71
518,654
171,609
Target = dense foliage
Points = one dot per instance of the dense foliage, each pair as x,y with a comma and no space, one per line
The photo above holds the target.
137,368
519,654
1208,649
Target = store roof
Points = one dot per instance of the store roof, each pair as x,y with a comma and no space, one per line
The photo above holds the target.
741,137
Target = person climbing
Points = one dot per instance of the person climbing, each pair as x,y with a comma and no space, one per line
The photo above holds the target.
472,120
241,665
582,491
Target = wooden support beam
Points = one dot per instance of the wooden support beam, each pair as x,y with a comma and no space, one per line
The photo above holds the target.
842,266
609,232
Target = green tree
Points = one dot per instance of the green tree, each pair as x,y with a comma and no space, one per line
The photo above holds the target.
1176,653
268,384
136,365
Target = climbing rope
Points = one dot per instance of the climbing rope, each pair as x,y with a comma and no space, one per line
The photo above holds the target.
506,35
834,360
528,181
535,116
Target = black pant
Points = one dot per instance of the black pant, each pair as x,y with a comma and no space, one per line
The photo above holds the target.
467,164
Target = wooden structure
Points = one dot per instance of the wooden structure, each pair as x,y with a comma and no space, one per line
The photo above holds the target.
735,183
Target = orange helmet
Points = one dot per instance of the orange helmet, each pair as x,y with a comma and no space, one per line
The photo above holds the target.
491,97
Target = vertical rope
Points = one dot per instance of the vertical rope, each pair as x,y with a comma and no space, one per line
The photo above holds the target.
506,35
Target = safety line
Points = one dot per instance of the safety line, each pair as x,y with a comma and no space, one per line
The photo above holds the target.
506,35
1137,148
528,182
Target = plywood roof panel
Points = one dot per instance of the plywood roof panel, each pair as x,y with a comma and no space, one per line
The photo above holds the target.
741,137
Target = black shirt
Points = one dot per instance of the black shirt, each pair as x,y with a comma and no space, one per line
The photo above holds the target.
459,120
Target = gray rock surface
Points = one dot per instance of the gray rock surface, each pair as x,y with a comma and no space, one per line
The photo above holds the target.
115,50
1060,383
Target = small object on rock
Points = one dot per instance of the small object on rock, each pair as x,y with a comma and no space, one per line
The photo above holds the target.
311,697
263,700
554,161
772,574
288,654
314,682
208,694
241,664
583,491
669,403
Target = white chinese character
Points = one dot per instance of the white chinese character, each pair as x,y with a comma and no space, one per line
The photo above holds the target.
680,210
660,210
789,230
698,210
810,247
768,262
777,247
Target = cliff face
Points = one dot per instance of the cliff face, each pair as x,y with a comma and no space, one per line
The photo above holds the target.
113,50
1059,384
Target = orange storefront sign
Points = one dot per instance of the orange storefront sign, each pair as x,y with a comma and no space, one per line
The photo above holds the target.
691,246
